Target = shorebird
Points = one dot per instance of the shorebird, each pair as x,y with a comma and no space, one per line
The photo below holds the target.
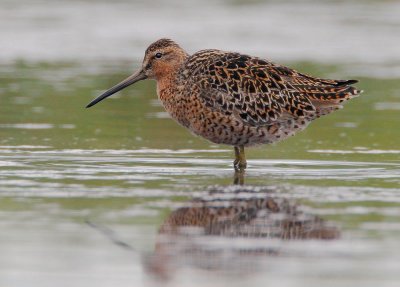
235,99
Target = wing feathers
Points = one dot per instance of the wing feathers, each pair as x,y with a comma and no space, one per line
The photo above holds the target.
260,92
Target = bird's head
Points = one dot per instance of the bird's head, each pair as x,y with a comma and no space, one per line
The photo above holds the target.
162,58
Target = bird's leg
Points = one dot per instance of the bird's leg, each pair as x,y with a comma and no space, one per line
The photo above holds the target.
238,177
240,158
237,156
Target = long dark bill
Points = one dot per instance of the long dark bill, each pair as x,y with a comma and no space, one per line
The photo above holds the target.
139,75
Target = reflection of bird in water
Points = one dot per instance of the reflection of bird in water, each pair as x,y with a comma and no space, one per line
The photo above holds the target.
235,99
192,235
247,213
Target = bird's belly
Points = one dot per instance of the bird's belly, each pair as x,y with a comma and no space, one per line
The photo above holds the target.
226,129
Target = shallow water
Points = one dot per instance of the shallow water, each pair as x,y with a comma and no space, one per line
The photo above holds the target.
83,193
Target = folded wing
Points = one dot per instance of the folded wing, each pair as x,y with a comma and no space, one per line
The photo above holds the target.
260,92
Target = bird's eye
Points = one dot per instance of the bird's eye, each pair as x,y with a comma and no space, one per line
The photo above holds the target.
158,55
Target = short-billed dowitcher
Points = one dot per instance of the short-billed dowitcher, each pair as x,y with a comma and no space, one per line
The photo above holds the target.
235,99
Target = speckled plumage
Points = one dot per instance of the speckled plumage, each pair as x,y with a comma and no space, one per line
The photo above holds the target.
235,99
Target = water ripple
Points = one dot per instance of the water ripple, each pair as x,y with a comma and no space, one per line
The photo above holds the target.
41,171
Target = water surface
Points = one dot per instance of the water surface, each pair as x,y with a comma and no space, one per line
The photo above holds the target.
83,193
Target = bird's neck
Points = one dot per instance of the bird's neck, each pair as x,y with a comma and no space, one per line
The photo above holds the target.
167,82
169,91
165,86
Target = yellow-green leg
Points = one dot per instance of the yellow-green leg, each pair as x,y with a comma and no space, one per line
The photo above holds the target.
238,177
240,158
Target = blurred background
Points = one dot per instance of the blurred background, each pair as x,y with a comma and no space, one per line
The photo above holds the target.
126,165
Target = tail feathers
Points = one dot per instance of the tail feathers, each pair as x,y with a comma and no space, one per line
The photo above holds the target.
326,103
345,82
335,95
330,102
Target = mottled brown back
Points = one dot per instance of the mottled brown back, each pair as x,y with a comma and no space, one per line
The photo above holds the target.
259,92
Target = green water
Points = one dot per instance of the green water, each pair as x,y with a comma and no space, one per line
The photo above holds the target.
126,165
84,192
